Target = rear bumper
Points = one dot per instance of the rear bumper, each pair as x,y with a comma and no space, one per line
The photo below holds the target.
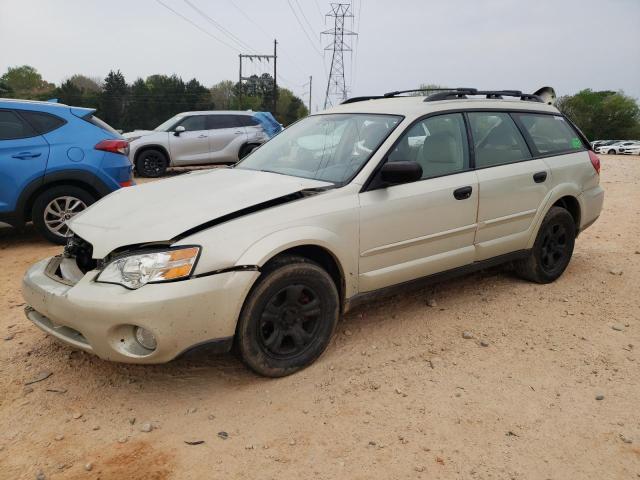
100,318
591,202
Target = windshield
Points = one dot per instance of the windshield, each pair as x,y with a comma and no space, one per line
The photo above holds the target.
165,126
331,148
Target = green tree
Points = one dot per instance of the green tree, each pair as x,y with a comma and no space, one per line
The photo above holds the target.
223,95
26,82
85,83
113,100
603,114
290,107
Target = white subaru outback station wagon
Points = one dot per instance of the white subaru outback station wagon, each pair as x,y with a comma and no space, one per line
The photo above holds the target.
374,194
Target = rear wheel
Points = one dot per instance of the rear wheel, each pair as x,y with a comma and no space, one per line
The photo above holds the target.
288,318
152,164
246,150
552,249
611,152
53,208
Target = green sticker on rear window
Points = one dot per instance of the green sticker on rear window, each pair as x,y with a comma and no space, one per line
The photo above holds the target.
576,143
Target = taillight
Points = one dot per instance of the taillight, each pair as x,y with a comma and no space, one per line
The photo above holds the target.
595,161
127,183
114,146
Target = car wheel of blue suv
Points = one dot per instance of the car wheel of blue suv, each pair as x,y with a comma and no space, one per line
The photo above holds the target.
54,207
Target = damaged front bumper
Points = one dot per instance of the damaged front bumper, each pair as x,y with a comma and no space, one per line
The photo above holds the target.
102,318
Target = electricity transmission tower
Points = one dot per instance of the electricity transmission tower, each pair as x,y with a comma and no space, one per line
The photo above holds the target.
337,85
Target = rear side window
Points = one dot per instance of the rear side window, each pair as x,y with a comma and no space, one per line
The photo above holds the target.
13,127
93,120
497,140
247,121
215,122
42,122
550,133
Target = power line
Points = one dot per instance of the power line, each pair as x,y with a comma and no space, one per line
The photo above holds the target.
303,29
206,32
226,32
305,18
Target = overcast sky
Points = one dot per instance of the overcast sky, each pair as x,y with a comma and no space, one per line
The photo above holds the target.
507,44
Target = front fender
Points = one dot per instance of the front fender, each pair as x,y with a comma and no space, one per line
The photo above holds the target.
341,247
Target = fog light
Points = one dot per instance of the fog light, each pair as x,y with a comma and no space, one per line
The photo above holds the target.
146,338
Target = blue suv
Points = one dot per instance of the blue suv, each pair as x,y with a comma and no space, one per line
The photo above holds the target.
55,161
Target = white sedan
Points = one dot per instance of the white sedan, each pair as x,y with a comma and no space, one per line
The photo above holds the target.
616,148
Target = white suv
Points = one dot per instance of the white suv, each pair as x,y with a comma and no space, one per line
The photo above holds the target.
195,138
365,198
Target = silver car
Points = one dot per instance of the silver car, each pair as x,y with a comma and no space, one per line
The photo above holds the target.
195,138
369,197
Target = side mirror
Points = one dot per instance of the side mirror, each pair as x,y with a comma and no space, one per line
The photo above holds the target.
396,173
179,130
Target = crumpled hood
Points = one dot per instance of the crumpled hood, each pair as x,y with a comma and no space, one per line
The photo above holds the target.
159,211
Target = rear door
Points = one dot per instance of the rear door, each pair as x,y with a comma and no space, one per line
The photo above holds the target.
226,137
513,184
23,157
190,147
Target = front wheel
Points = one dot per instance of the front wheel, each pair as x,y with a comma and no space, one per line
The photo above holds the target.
53,208
288,318
611,152
552,249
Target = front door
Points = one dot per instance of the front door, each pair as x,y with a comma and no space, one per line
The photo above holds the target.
23,158
417,229
191,146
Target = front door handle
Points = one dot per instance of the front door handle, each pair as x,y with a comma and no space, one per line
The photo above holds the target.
25,155
539,177
462,193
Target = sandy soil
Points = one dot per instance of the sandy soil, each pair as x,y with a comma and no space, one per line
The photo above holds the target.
399,393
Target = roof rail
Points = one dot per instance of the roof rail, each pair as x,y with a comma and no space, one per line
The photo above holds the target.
492,94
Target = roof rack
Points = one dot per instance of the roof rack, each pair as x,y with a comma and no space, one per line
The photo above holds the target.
452,94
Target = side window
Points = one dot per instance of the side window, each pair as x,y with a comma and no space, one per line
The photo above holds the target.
497,140
193,124
438,144
247,121
215,122
42,122
13,127
550,133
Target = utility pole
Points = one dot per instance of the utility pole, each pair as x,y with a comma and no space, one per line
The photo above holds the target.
275,72
337,85
310,84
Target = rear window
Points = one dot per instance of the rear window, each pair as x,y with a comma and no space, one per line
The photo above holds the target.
93,120
13,127
550,133
215,122
247,121
42,122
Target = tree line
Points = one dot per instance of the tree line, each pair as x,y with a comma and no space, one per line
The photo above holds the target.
146,103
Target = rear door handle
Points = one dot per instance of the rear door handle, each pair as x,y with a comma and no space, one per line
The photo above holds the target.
238,133
539,177
25,155
202,136
462,193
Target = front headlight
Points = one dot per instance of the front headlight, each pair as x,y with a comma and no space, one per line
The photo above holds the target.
134,271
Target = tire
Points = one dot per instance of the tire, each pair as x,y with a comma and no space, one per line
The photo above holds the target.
611,152
288,318
152,164
53,207
246,150
552,249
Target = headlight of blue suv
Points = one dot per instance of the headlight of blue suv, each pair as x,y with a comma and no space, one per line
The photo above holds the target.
135,271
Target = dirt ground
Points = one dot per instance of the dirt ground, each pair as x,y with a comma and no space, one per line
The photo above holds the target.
398,394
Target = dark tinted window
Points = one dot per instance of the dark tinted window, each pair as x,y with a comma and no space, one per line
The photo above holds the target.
42,122
193,124
247,121
550,133
497,140
12,126
222,121
438,144
93,120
